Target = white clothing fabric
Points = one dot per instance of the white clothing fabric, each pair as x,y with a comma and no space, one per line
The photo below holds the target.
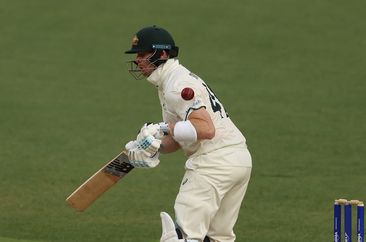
217,170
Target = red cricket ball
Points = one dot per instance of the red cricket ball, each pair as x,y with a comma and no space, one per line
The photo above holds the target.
187,93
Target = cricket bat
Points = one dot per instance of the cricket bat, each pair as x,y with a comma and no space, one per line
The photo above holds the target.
100,182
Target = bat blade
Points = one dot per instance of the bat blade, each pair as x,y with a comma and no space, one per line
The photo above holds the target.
100,182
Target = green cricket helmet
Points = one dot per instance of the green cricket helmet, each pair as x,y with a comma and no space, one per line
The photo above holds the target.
152,39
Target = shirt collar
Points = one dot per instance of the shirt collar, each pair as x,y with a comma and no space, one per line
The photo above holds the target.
158,76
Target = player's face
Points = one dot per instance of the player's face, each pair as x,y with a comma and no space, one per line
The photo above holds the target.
144,64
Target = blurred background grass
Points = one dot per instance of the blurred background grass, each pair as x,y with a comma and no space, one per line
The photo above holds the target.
291,74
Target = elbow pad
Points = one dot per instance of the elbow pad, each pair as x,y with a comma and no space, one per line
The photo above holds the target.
184,131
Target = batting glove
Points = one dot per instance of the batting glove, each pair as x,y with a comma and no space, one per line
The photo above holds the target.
148,142
140,158
156,130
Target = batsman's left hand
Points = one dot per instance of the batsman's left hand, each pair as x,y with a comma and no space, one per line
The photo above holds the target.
158,130
140,158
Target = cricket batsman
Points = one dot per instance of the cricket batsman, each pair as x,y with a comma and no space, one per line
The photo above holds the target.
218,164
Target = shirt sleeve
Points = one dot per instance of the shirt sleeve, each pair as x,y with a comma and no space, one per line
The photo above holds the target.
186,98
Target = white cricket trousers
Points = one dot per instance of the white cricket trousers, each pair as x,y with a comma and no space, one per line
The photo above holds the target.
210,196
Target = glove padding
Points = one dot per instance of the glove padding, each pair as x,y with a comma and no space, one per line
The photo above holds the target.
141,158
148,142
156,130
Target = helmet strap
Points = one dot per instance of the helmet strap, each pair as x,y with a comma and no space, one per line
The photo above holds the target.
155,60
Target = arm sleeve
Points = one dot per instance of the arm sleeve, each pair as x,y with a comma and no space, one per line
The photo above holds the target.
184,107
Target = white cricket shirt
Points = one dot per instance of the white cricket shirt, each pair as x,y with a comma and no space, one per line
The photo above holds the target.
170,79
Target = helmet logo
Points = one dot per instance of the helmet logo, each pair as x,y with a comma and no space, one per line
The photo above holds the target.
135,40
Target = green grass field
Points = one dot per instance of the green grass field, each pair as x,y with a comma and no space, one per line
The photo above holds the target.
291,74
